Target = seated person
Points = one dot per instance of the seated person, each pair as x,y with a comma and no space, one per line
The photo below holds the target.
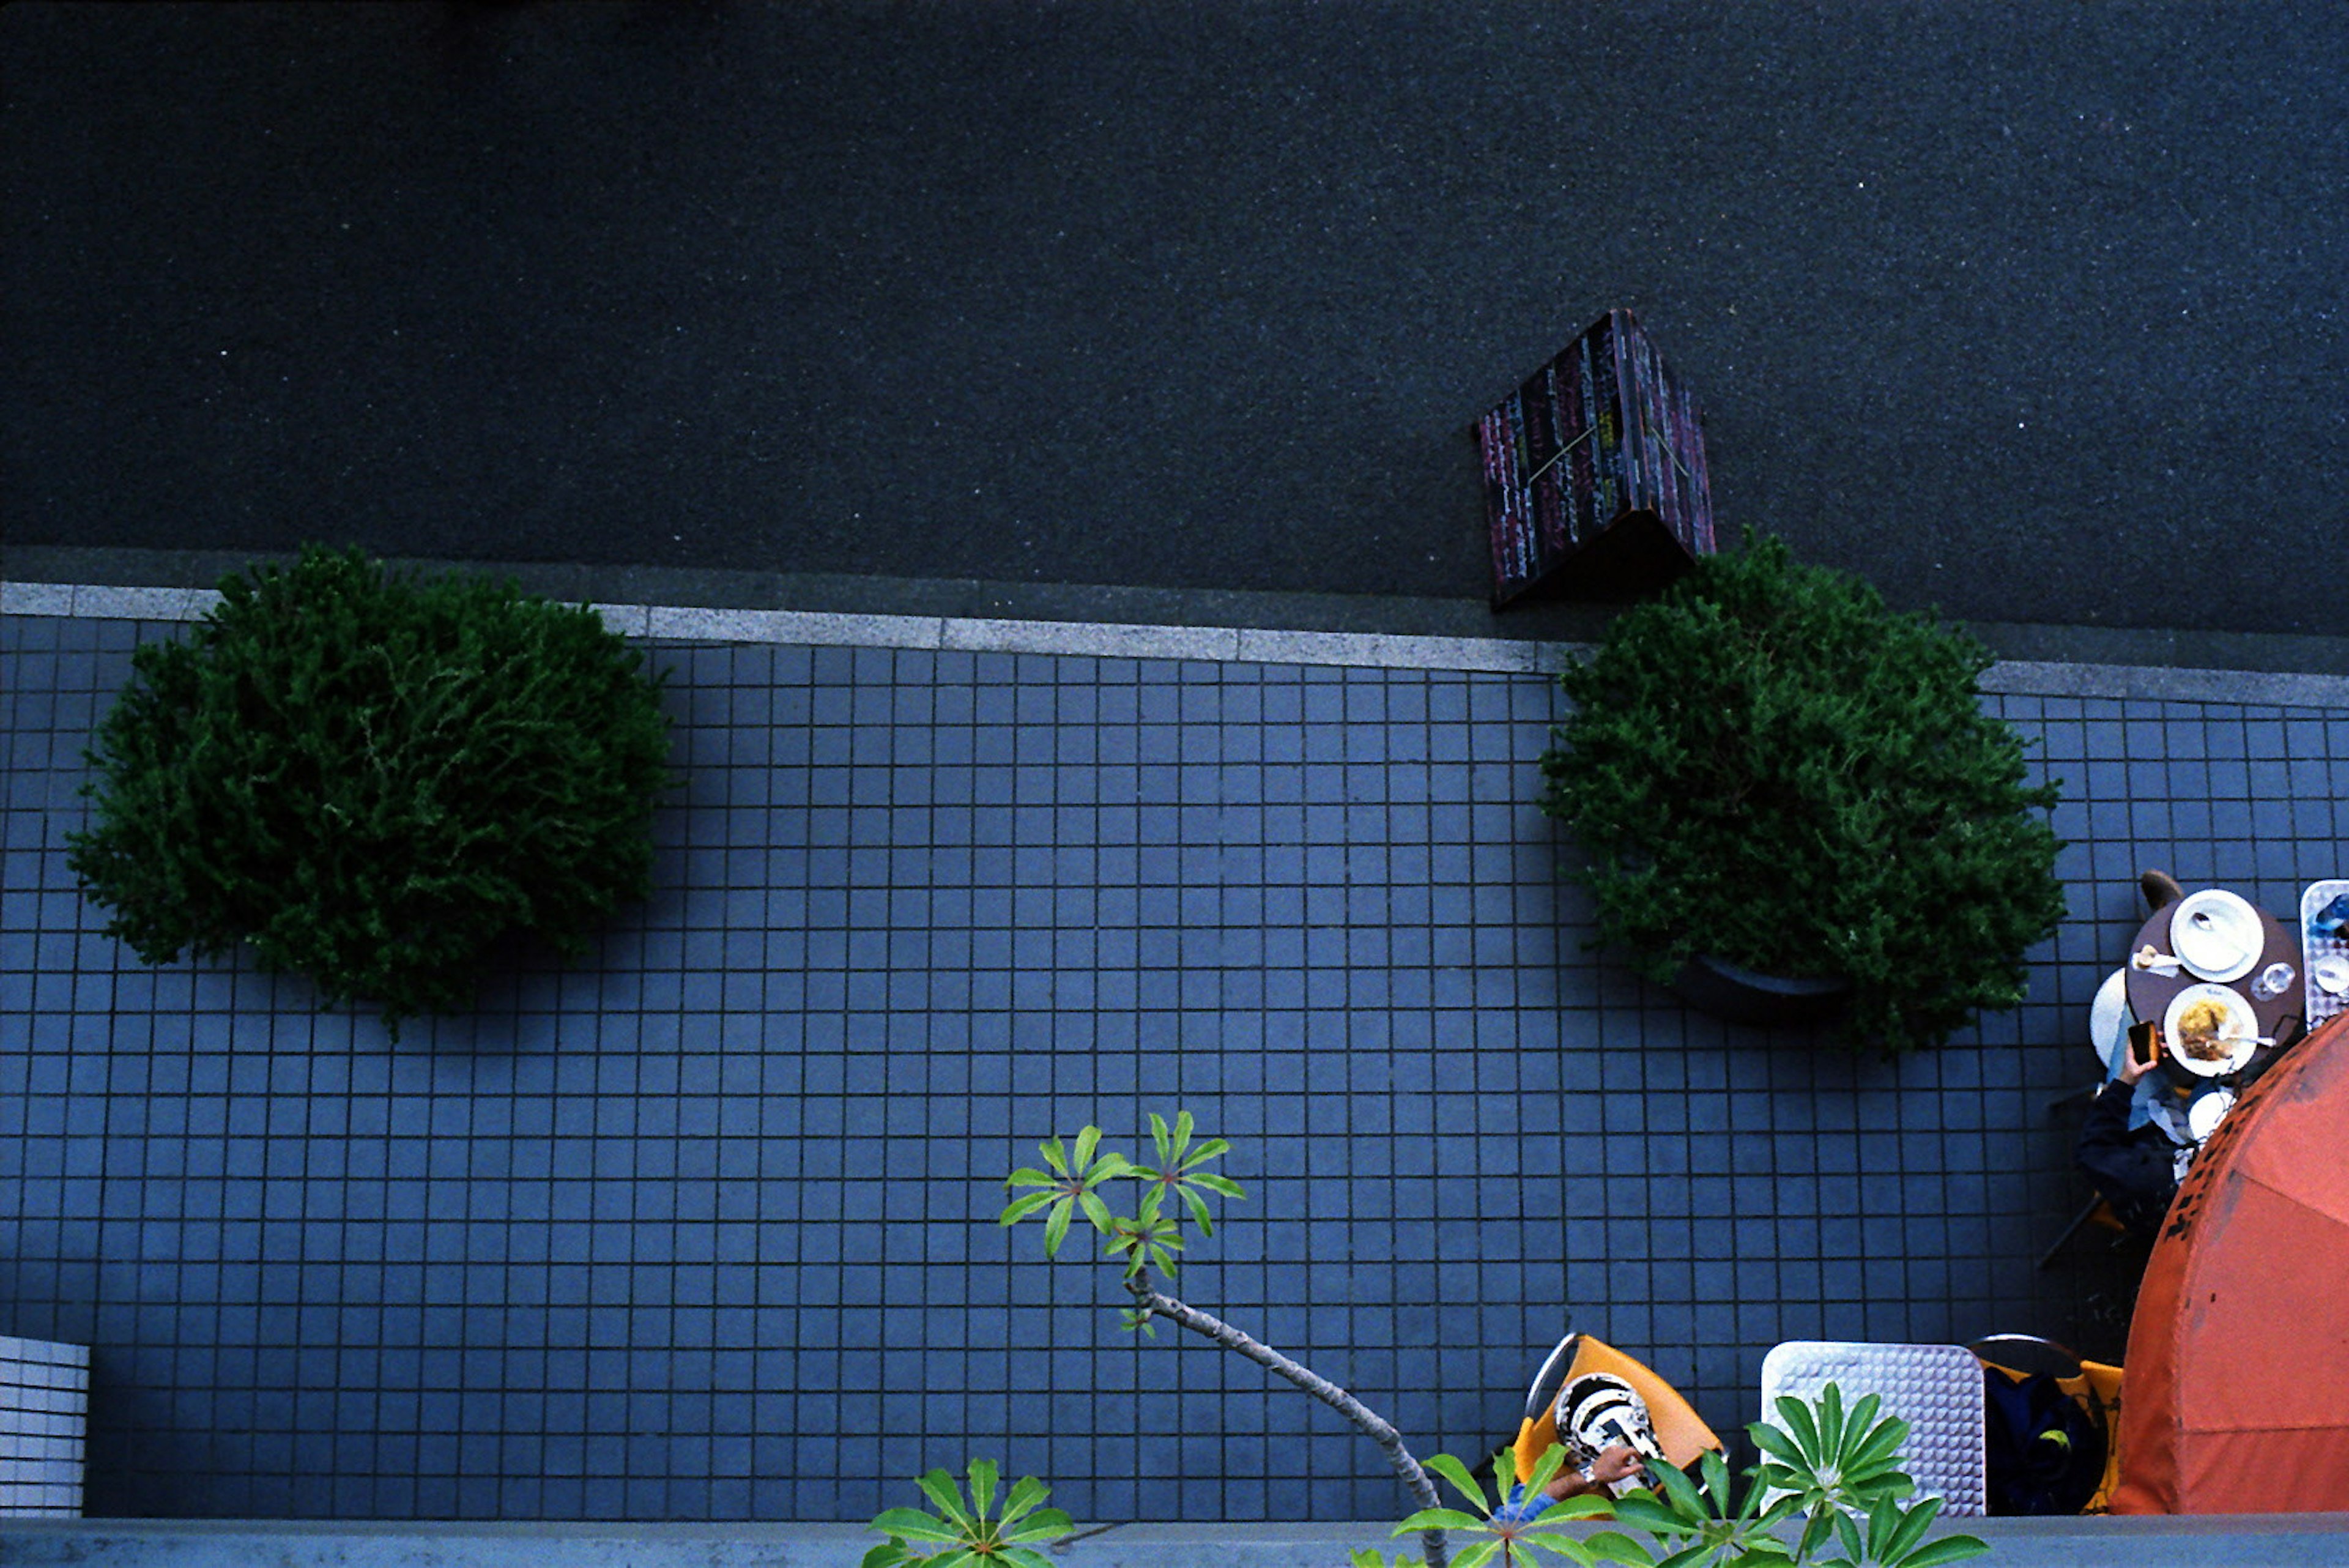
1596,1475
2134,1170
1609,1441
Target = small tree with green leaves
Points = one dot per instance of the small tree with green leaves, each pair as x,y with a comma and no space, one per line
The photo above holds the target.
968,1535
1502,1531
1146,1242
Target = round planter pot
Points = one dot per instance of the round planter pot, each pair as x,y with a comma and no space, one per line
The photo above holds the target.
1744,996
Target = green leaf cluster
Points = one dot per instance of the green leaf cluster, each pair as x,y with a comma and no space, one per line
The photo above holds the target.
1513,1541
375,780
1146,1238
1834,1470
1768,766
967,1535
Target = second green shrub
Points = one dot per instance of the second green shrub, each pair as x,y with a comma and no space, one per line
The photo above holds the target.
374,781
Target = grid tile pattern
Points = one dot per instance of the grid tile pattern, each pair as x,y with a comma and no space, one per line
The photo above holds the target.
703,1229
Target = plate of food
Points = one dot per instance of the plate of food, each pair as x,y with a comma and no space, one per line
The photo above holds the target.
2216,934
2211,1029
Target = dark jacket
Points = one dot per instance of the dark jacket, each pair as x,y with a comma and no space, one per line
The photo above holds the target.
2133,1169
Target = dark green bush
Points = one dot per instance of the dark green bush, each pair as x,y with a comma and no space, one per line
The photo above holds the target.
375,780
1767,765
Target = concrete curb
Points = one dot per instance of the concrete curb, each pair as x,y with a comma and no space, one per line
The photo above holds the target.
2273,1540
1110,639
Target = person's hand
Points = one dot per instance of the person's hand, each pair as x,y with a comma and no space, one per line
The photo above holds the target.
1614,1463
2132,1069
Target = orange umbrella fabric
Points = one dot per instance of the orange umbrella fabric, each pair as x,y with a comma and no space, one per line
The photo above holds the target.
2238,1359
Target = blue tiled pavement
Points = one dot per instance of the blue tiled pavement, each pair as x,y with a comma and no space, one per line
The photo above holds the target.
704,1229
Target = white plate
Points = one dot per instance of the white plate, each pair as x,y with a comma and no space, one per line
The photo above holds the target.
2242,1029
2202,1118
2108,1021
2228,946
2332,974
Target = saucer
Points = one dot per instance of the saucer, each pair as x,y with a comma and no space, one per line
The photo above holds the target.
2202,1118
2108,1021
2330,973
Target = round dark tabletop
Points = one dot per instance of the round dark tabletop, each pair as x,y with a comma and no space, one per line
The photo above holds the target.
2151,992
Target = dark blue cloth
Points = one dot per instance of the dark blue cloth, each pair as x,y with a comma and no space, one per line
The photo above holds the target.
1517,1507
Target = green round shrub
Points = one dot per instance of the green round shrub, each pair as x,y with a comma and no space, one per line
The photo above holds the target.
376,781
1767,765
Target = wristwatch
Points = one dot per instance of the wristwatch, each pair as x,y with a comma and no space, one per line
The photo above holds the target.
1589,1472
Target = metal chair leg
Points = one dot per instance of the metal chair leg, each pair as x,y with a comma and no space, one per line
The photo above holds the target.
2087,1211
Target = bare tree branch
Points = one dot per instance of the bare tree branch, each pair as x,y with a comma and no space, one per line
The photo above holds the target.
1372,1425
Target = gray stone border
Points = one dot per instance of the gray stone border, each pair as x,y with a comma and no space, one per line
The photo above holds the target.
1116,639
2205,1540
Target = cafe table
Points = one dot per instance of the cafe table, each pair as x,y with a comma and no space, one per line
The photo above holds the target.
2150,991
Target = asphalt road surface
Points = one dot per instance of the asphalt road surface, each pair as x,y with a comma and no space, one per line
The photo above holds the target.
2030,311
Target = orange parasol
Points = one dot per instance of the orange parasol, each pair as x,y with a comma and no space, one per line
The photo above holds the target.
2238,1398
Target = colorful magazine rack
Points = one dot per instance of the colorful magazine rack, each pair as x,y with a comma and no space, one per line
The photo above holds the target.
1594,473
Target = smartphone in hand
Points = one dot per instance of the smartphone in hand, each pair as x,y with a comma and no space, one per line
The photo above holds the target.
2145,1042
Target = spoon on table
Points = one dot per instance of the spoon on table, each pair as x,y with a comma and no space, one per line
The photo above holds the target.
2205,925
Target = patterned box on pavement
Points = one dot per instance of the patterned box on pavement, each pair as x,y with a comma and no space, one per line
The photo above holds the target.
1595,480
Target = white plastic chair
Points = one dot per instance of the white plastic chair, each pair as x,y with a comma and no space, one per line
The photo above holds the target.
1935,1388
